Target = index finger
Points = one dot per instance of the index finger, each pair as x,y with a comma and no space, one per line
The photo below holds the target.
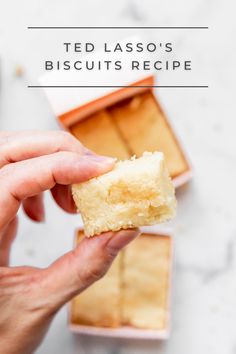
18,146
24,179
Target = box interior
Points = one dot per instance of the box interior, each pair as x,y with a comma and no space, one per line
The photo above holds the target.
130,127
135,291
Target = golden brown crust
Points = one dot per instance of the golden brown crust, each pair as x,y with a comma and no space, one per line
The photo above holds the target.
134,292
98,133
144,127
99,305
146,275
129,128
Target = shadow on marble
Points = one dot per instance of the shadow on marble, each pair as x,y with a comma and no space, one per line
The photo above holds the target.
183,190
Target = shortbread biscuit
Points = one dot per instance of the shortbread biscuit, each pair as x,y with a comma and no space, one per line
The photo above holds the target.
99,305
135,193
146,282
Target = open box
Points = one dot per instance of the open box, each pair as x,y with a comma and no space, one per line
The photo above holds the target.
133,295
118,122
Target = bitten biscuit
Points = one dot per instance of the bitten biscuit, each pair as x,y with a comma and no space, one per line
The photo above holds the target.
136,192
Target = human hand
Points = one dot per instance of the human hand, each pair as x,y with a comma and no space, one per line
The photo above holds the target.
30,163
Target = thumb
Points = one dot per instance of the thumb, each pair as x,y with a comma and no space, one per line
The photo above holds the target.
78,269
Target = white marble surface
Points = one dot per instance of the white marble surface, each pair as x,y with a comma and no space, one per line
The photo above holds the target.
204,292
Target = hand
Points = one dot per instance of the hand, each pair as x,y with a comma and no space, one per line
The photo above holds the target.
30,163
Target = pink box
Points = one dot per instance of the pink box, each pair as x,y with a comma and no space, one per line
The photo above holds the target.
125,331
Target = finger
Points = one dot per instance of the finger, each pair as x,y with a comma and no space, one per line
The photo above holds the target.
63,197
25,145
27,178
34,207
6,239
78,269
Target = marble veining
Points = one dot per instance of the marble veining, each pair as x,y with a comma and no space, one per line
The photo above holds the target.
204,289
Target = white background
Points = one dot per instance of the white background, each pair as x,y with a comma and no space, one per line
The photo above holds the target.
204,291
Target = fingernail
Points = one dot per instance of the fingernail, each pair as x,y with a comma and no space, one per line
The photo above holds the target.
102,159
88,152
122,238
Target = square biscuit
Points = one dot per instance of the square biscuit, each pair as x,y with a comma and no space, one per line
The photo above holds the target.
99,305
99,134
144,127
145,282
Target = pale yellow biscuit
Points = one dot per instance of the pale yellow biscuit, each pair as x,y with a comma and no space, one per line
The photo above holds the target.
145,279
99,305
135,193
